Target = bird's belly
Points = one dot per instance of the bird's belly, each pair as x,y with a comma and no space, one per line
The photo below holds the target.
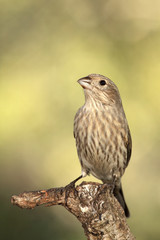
103,159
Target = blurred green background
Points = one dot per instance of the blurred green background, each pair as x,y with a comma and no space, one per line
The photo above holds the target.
45,46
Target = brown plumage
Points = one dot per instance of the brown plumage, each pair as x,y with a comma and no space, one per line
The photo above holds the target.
102,134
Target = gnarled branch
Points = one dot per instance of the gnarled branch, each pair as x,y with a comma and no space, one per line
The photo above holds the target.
92,203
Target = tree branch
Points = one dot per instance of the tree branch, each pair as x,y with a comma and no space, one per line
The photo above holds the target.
92,203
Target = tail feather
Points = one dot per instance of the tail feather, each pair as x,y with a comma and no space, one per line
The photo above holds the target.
118,193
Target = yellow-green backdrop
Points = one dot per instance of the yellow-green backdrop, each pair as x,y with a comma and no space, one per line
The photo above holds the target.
45,46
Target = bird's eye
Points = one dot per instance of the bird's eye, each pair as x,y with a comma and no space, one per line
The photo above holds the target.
102,82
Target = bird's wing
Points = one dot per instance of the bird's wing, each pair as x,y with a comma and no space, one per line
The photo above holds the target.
129,146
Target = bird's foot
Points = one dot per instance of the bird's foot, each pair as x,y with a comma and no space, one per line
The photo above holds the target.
108,185
71,187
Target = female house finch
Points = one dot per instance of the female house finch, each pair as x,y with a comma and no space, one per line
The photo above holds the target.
102,134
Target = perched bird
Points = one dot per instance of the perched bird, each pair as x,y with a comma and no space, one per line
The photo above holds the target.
102,134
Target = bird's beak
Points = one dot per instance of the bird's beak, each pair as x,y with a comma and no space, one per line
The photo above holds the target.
85,82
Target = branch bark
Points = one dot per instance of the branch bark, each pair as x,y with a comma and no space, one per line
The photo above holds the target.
92,203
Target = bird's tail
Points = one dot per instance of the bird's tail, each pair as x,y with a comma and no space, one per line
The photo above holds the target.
118,193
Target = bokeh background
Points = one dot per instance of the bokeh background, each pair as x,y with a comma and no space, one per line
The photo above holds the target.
45,46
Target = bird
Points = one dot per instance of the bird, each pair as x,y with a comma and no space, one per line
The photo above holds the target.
102,134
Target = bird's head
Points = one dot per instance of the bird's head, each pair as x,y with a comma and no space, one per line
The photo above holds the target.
99,88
